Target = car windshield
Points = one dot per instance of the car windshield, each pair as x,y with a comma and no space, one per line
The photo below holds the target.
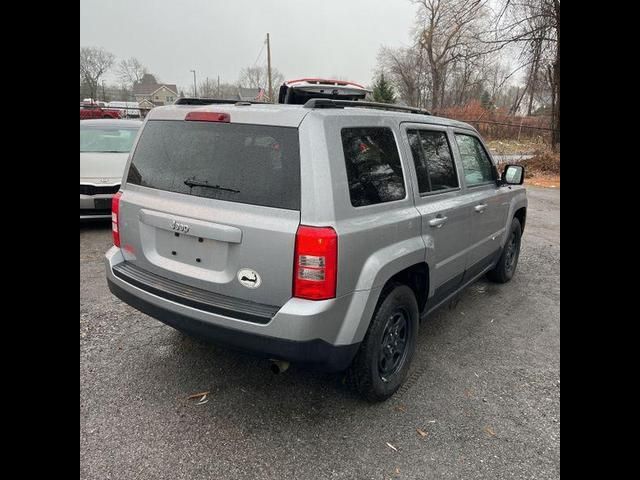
106,139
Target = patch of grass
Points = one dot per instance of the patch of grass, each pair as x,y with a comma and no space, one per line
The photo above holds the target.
512,147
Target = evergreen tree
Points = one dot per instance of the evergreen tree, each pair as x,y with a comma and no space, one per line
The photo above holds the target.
383,91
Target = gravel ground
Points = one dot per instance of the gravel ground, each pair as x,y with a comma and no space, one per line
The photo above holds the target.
485,388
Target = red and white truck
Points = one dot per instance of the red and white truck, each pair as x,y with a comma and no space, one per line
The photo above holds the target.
92,109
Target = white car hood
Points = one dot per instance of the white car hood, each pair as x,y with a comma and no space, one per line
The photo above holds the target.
102,168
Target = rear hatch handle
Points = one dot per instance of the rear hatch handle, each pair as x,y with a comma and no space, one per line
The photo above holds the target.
191,226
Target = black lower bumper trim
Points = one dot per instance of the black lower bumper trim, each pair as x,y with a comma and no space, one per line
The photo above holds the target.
194,297
313,353
95,212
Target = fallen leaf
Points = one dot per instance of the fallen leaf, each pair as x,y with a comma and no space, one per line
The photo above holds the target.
401,408
196,395
490,431
391,447
421,432
397,471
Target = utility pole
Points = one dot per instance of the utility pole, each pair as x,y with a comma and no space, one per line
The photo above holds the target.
269,68
195,93
218,86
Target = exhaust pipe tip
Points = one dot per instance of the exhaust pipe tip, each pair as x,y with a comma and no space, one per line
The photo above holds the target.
279,366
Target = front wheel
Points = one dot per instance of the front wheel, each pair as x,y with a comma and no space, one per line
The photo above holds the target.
385,354
506,266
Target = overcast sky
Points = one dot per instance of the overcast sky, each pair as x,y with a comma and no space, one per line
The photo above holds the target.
334,38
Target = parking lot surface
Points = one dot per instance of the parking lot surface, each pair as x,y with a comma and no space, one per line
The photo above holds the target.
482,401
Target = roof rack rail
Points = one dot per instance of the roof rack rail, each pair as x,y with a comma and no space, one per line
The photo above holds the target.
212,101
329,103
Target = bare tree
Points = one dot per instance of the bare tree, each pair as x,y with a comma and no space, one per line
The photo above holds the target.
94,63
131,71
534,25
208,88
403,67
466,79
448,31
257,77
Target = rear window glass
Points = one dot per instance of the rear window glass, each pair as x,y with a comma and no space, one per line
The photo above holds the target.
373,166
254,164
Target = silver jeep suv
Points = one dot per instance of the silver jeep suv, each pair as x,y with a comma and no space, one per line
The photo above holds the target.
319,233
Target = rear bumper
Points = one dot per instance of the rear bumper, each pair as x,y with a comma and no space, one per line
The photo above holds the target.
301,331
89,209
314,353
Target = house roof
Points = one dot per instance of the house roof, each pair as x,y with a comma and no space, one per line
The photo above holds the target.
248,93
146,103
151,88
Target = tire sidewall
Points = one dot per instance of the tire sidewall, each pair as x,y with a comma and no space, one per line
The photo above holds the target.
515,230
400,297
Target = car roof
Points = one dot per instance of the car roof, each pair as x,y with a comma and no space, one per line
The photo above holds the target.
111,122
398,115
291,115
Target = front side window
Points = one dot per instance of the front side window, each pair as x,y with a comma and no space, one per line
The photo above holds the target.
477,166
434,163
374,171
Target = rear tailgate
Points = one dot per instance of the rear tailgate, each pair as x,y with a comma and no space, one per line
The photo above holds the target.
214,206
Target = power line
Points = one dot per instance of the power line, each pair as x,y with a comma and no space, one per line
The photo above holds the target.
259,54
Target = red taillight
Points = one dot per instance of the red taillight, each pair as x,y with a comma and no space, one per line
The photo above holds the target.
208,117
315,263
115,212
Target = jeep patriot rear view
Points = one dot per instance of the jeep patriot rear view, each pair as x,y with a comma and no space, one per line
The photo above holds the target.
319,234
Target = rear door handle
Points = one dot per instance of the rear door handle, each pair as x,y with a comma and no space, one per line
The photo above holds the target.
480,208
438,221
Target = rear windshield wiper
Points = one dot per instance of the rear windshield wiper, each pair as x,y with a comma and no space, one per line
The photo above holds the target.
192,182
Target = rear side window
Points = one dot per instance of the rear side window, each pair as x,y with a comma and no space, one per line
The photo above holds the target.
373,166
434,163
254,164
477,166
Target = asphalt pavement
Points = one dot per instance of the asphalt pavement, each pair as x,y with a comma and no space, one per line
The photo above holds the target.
482,401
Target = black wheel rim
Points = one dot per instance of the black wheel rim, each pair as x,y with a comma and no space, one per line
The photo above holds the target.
393,347
511,253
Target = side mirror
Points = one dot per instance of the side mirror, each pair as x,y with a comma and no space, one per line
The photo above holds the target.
513,175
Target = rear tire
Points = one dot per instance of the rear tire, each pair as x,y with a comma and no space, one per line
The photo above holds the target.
383,360
506,266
